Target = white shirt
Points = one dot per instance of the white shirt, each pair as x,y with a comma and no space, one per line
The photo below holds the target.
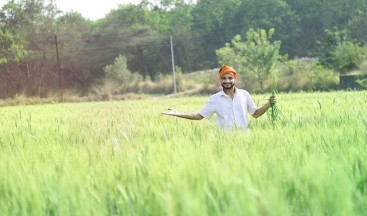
230,112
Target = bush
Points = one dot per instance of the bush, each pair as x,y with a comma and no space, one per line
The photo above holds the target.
348,56
120,76
323,79
339,51
362,82
306,74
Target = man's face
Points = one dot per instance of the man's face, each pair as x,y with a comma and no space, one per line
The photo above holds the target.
227,81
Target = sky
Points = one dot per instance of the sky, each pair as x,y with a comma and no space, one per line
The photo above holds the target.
92,9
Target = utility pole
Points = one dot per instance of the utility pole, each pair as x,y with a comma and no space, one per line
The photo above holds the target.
173,67
58,67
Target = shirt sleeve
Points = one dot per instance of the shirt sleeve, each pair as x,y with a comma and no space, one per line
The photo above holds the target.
251,106
209,109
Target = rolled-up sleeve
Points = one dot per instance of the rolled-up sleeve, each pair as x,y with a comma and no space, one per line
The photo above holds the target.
251,106
209,109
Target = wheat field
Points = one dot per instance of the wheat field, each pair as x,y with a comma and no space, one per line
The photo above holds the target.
125,158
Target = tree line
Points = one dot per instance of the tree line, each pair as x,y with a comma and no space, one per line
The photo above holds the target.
31,29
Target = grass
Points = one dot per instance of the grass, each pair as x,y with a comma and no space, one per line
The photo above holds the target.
124,158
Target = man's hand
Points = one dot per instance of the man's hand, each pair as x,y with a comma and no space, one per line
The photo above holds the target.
272,100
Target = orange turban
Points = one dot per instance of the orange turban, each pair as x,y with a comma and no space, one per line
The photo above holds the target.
225,70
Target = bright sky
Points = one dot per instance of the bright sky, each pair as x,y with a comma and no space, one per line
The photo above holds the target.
92,9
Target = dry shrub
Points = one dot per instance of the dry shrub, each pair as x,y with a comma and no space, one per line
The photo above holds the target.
129,96
186,85
105,91
23,99
162,85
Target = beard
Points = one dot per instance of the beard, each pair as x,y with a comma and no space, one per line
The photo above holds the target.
227,85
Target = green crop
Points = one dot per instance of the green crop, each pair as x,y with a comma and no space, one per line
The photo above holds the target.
125,158
274,113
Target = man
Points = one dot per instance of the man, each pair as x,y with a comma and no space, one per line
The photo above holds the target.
232,105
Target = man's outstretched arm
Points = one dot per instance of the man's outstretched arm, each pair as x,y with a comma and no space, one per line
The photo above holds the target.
191,116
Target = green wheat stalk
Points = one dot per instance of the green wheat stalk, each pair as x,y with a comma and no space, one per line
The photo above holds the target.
275,113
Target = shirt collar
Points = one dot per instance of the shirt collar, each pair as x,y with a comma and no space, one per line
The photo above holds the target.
222,93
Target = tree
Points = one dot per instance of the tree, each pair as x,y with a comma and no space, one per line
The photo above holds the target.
339,52
118,74
257,56
264,14
357,26
11,53
128,30
347,57
34,22
180,22
11,50
73,33
315,16
210,28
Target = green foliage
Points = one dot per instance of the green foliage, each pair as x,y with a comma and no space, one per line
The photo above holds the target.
118,71
338,51
322,78
119,74
131,29
293,75
265,14
11,50
306,74
232,53
141,33
358,27
347,57
362,82
257,56
329,43
73,32
314,17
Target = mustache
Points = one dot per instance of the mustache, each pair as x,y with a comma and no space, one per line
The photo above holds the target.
224,85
